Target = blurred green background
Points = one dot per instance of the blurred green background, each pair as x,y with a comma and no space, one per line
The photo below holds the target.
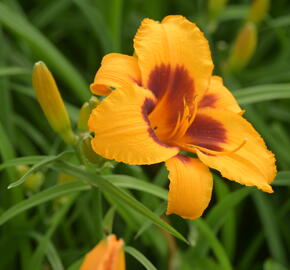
50,222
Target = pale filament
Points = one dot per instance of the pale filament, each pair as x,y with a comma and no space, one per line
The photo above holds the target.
217,153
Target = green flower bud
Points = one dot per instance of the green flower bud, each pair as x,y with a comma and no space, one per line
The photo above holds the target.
51,102
258,11
243,48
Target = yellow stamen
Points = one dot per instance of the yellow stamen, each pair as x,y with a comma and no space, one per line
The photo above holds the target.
184,121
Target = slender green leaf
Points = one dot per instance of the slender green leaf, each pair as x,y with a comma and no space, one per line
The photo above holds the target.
109,220
51,253
35,261
59,190
41,197
251,252
159,211
129,215
234,12
6,149
214,243
270,226
115,23
6,104
50,11
218,213
255,246
76,265
129,181
34,134
98,25
260,93
272,265
228,233
10,71
140,257
281,21
37,166
45,49
107,186
22,161
256,118
98,211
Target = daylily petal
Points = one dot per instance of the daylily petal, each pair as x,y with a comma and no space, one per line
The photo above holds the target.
122,130
206,132
235,148
117,70
173,44
175,63
107,255
190,186
219,97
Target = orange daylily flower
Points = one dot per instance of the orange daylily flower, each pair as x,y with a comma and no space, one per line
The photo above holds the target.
107,255
166,101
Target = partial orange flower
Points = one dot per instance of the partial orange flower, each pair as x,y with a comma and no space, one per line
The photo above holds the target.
164,100
107,255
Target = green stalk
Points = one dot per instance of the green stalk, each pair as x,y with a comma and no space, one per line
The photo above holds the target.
36,260
115,23
215,244
270,226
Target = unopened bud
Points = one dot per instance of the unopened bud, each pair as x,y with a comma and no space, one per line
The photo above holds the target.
93,102
107,254
84,117
243,48
65,178
51,102
215,7
88,152
62,179
85,113
33,182
258,11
